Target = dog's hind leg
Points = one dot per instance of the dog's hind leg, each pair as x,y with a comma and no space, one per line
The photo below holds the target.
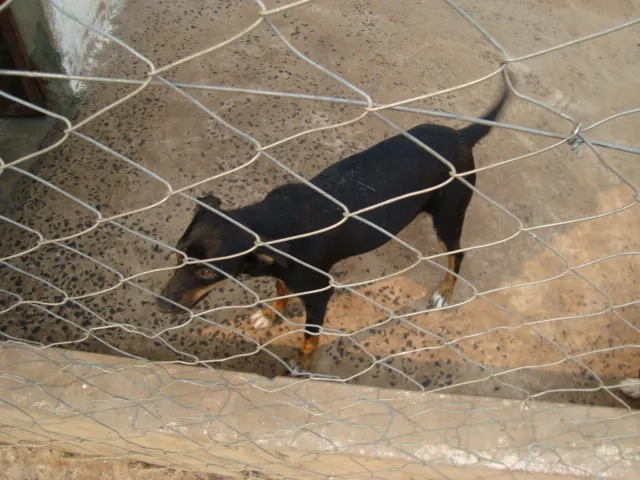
316,308
448,209
265,317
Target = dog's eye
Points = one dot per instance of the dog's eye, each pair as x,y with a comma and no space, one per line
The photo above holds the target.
206,273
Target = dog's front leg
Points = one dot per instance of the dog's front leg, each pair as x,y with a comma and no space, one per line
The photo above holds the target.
265,317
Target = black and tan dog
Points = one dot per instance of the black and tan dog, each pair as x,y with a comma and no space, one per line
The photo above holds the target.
394,167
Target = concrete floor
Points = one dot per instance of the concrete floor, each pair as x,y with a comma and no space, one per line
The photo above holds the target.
393,51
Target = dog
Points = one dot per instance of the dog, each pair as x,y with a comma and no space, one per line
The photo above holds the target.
389,169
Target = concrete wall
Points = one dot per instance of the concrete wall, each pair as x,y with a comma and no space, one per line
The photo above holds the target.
57,43
76,43
227,423
40,47
54,43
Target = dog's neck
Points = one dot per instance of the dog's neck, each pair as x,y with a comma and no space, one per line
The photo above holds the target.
265,220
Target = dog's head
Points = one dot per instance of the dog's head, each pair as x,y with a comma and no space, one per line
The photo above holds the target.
211,236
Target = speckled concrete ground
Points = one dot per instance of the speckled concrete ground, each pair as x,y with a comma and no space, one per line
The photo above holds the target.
392,50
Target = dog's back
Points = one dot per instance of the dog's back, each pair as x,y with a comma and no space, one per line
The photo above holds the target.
392,168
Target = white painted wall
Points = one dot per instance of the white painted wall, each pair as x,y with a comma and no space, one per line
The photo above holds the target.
76,43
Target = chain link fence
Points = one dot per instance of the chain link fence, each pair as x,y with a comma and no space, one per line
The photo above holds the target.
520,376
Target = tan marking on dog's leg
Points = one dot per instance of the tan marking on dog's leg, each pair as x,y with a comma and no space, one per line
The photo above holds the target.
280,304
265,317
449,282
307,351
443,295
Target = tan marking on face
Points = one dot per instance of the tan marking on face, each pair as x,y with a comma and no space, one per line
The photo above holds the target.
190,298
265,258
165,284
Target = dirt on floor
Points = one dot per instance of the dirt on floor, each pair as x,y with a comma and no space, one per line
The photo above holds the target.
24,463
558,335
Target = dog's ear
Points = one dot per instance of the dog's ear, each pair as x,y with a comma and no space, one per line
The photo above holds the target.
211,200
265,256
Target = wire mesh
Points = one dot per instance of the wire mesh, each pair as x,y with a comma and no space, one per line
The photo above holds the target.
89,236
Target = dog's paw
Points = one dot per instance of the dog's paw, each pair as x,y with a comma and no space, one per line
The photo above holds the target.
631,387
437,301
259,320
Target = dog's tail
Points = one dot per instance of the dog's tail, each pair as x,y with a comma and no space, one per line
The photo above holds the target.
475,132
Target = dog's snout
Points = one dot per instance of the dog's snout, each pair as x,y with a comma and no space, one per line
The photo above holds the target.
167,307
182,292
171,293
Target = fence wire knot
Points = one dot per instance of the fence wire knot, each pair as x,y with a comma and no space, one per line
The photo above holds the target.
576,140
